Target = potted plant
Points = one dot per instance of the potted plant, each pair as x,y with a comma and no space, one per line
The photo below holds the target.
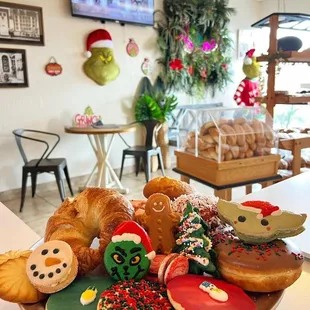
157,106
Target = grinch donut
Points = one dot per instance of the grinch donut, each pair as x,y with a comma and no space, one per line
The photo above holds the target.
135,295
192,292
263,268
129,254
52,266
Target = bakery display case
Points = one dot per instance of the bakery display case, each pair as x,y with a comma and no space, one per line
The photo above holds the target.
229,134
228,139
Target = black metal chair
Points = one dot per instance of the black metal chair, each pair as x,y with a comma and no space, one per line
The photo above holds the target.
145,151
44,164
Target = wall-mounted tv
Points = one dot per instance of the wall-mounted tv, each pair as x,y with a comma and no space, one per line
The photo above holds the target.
123,11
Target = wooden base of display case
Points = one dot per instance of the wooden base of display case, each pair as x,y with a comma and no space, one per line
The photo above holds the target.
228,172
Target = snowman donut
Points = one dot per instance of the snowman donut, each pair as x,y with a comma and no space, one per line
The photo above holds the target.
52,266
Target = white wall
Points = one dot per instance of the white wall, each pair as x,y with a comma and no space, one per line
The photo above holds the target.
50,102
291,6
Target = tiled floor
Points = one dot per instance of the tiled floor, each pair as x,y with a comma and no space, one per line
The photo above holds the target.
38,210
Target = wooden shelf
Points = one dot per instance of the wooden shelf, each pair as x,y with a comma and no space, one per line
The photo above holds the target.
287,99
289,57
288,144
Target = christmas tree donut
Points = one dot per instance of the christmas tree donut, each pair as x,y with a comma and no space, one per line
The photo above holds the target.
129,254
193,243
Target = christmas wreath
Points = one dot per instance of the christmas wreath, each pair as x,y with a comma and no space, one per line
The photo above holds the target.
195,45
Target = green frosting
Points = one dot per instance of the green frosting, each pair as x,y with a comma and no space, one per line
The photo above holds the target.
101,67
125,260
251,228
69,298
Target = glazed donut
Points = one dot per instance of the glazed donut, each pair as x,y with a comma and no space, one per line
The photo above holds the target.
214,133
170,187
95,212
258,128
262,268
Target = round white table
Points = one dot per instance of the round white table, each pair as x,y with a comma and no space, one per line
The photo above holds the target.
102,146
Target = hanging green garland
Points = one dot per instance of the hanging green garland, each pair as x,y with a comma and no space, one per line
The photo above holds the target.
195,45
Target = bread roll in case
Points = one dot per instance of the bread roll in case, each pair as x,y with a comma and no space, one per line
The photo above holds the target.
240,138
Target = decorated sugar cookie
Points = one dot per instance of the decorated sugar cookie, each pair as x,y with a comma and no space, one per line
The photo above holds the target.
160,222
52,266
258,222
193,292
194,243
135,295
214,292
129,254
88,296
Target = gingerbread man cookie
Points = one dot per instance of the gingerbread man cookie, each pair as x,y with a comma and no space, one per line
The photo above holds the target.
160,222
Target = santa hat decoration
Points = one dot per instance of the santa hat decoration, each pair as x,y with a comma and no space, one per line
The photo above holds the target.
261,208
98,38
248,58
132,231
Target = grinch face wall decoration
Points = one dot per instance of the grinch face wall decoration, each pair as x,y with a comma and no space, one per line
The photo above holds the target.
129,254
101,66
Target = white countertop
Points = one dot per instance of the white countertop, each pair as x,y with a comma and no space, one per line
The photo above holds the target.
14,235
292,194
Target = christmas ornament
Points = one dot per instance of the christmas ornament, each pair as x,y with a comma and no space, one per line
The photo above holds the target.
248,89
101,66
194,243
146,66
209,46
132,48
53,68
87,119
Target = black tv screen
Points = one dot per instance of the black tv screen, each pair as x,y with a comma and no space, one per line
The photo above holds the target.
123,11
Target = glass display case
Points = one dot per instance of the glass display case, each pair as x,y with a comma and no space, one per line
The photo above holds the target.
227,134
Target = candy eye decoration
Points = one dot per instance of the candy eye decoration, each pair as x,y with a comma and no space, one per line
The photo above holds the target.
88,296
119,259
264,222
241,219
135,260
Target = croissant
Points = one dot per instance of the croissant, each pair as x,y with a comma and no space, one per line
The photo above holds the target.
95,212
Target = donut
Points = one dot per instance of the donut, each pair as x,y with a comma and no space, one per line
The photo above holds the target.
170,187
135,295
264,268
187,292
14,283
94,213
52,266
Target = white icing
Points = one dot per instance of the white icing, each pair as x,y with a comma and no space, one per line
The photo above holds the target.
64,256
127,237
160,203
251,209
88,296
155,204
158,211
218,295
276,213
213,291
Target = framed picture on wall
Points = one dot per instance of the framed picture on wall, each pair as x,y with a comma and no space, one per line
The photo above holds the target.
13,68
21,24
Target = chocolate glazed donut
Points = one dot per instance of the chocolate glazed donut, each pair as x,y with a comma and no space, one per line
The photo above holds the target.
261,268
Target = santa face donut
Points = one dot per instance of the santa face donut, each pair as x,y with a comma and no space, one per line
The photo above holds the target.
52,266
